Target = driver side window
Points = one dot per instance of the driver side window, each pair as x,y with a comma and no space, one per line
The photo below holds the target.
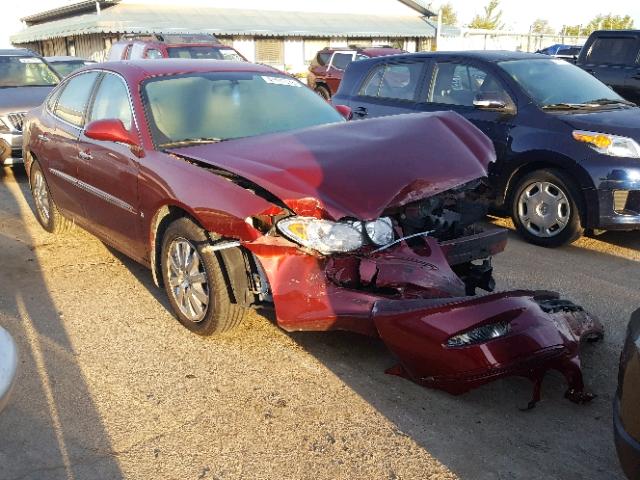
112,101
460,84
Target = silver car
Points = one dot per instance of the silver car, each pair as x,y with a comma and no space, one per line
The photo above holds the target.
25,80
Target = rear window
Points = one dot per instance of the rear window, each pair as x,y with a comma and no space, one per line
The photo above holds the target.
25,72
394,81
613,50
323,58
341,60
195,52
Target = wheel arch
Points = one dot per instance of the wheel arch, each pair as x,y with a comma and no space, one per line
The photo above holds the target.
238,264
541,160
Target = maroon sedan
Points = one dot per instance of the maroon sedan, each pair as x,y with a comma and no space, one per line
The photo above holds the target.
239,188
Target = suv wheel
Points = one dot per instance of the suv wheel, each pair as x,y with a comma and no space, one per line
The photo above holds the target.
545,209
195,283
323,92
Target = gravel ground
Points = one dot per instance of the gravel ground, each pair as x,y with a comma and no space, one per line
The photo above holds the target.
111,386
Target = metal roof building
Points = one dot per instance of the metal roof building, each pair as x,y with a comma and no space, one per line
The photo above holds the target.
279,37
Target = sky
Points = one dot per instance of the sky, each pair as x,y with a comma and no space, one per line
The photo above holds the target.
518,15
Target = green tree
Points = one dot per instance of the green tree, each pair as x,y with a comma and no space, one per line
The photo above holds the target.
600,22
541,26
449,15
490,19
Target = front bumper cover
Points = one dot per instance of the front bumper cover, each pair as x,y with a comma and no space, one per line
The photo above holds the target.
545,335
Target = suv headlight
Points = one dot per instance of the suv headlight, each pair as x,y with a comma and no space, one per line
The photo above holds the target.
4,128
606,144
328,237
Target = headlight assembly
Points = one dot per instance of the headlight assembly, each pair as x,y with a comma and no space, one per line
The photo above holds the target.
329,237
480,334
606,144
4,128
322,235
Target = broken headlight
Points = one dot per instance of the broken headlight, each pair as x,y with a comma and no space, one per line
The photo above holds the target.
380,231
480,334
324,236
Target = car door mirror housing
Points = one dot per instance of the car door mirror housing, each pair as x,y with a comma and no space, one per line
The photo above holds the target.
345,111
110,130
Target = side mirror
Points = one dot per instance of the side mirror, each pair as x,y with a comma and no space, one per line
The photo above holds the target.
110,130
345,111
489,102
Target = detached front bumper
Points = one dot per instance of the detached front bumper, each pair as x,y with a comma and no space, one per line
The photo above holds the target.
544,334
11,148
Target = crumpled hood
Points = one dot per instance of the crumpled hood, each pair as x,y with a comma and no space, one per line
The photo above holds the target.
357,169
624,121
21,99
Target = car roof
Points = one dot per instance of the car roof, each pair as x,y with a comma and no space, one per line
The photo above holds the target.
485,55
66,58
176,66
17,52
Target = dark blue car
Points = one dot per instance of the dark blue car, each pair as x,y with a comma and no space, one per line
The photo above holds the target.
567,145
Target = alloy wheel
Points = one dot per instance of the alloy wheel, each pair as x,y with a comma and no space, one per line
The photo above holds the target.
41,197
188,279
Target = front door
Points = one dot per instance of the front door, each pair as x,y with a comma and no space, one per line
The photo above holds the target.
109,171
455,86
61,143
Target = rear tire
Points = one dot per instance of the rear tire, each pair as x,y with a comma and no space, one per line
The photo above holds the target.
323,92
546,208
194,281
46,210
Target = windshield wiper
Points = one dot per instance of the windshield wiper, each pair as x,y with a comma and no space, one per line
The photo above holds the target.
610,101
191,141
565,106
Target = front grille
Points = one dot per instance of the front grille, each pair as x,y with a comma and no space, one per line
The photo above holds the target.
17,120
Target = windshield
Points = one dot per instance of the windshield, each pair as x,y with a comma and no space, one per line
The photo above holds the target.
552,82
204,52
64,68
25,72
216,106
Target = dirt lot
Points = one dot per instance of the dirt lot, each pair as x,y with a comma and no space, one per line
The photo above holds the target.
111,386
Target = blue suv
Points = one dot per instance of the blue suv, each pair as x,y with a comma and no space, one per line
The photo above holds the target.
567,145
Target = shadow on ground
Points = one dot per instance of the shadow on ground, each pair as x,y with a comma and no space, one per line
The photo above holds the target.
51,428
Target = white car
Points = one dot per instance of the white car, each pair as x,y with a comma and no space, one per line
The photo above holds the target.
8,366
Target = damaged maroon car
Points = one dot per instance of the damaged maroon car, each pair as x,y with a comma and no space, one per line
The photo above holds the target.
240,188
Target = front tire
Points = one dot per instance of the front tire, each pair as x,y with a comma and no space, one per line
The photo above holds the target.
546,208
46,210
323,92
194,281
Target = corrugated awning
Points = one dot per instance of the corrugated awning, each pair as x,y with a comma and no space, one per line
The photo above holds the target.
124,18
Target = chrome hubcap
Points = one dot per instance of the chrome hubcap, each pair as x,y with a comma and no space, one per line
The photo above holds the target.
188,279
41,197
544,209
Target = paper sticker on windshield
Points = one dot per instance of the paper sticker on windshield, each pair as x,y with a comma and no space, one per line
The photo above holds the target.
30,60
290,82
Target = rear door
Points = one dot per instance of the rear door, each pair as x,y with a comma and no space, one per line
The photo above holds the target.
62,142
454,85
613,59
390,88
109,170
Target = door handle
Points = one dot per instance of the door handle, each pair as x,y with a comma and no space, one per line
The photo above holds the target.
360,111
43,138
636,76
85,156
